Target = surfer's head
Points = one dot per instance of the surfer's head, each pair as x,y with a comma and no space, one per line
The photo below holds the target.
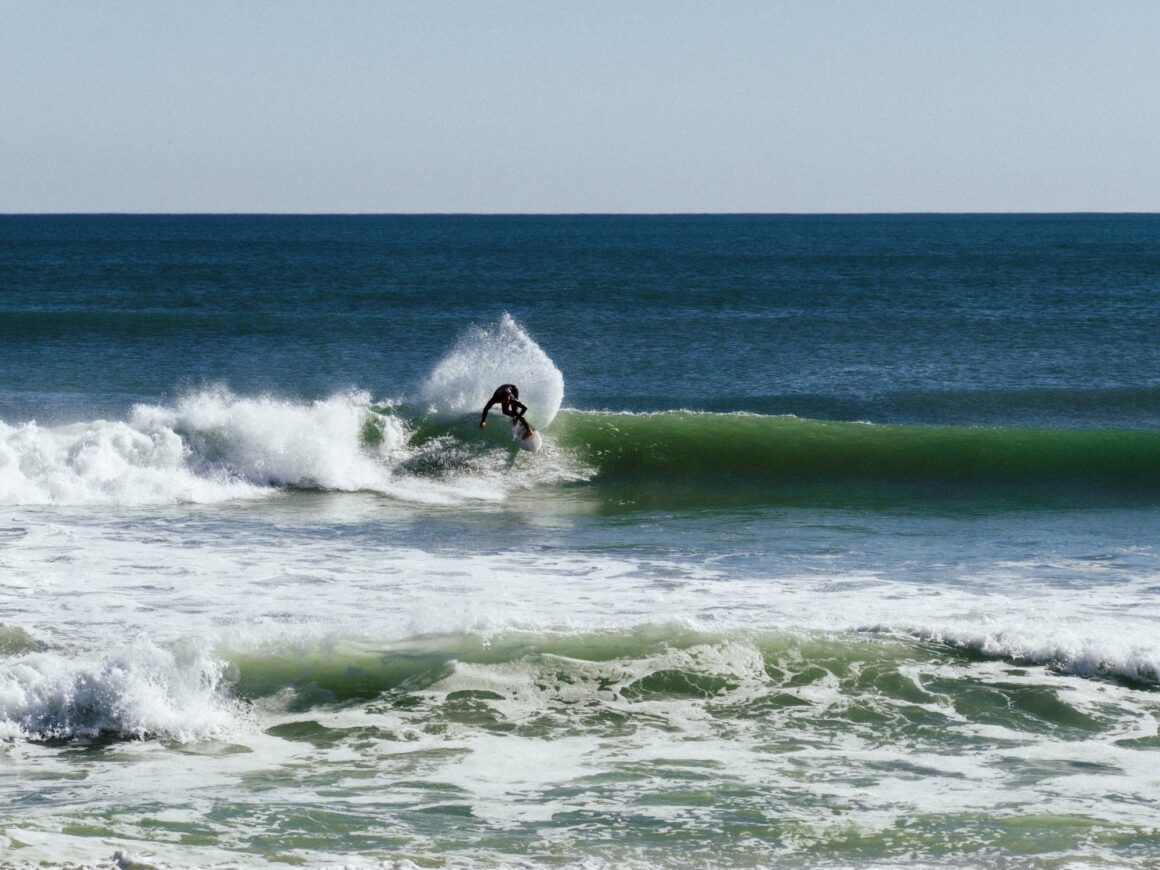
515,391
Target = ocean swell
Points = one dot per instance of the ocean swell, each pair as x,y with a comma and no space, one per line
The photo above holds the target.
700,448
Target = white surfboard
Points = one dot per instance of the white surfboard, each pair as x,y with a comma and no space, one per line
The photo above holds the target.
526,438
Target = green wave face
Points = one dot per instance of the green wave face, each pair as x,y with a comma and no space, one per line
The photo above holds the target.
788,455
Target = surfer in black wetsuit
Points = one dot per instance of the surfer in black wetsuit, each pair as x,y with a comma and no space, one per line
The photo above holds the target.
507,397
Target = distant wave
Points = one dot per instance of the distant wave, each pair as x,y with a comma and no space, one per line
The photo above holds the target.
1086,406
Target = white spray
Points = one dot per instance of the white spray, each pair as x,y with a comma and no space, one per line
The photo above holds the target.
485,357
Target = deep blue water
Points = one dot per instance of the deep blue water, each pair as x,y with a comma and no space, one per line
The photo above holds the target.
956,319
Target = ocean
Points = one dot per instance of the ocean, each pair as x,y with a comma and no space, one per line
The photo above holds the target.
842,549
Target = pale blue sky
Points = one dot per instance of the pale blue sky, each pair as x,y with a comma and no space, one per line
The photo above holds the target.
579,107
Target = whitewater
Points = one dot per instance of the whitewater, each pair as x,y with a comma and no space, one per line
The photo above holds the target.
213,446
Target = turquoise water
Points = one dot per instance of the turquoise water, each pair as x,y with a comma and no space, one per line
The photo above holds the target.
841,549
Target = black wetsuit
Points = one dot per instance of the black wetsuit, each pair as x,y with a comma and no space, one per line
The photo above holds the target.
505,397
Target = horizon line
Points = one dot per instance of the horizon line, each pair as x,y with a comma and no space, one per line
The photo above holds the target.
897,213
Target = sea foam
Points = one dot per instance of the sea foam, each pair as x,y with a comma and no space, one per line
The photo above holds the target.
105,462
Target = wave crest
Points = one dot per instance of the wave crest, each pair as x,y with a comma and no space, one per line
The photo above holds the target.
104,462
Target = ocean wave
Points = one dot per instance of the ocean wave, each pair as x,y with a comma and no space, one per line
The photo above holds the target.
268,441
139,691
700,448
1071,652
188,691
211,445
651,659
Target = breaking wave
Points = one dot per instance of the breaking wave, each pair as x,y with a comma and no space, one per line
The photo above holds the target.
212,445
139,691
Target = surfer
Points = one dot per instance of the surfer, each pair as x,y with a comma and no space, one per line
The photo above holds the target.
507,397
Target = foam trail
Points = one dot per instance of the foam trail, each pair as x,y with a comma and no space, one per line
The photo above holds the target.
485,357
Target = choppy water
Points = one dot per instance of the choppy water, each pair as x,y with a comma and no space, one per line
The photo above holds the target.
842,547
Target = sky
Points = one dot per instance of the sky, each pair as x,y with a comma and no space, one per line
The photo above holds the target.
561,107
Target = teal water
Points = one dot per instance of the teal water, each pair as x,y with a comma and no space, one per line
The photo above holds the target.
841,549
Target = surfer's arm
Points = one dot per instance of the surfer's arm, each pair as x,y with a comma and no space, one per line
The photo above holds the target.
519,407
486,408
